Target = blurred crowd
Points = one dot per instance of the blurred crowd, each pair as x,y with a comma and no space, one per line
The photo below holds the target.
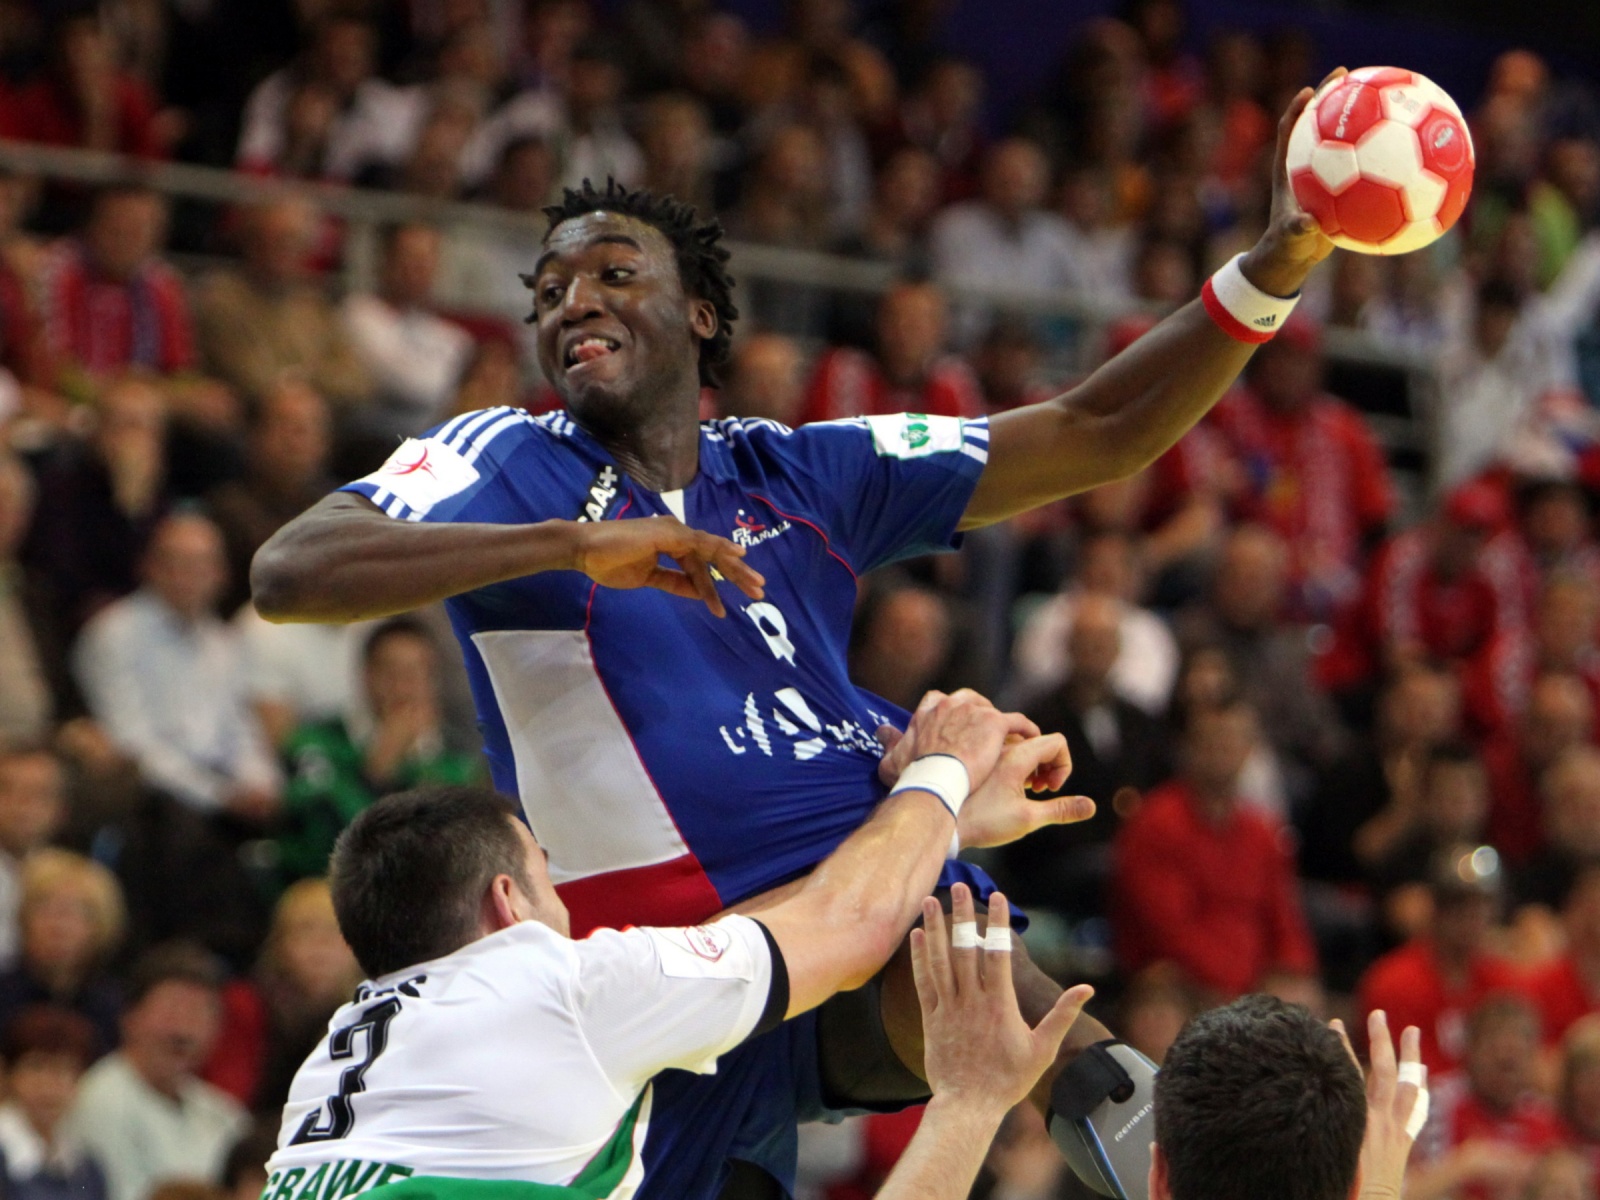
1342,726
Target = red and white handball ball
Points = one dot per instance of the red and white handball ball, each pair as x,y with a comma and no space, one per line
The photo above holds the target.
1382,159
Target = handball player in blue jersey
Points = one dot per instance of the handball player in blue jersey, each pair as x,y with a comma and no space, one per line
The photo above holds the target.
684,737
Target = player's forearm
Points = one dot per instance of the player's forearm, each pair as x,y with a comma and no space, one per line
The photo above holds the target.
343,560
1114,424
947,1152
848,919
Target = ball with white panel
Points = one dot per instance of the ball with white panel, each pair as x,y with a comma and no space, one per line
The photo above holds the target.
1383,160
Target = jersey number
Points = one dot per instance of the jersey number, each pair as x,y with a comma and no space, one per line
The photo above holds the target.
374,1023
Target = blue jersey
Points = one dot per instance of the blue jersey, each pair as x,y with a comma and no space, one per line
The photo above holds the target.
672,763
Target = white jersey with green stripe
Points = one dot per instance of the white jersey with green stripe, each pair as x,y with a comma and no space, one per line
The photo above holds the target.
516,1068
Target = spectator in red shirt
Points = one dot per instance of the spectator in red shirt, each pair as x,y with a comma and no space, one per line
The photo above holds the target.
1314,472
1578,1093
1202,882
1434,981
1559,716
1429,595
109,302
1490,1124
1569,988
84,99
910,372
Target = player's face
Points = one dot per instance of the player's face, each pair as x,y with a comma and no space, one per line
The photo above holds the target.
545,905
617,335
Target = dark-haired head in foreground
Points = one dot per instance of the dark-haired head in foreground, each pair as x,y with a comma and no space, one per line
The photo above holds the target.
633,305
1258,1101
411,875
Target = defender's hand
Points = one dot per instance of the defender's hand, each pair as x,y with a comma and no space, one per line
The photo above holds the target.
627,554
1293,243
999,810
978,1049
963,725
1391,1104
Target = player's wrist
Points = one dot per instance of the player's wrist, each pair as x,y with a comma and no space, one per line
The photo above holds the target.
1240,308
1273,270
943,775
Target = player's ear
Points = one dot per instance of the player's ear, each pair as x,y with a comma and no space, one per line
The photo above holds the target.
1157,1185
702,318
502,904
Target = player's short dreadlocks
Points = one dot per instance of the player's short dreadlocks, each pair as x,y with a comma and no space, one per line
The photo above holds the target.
702,259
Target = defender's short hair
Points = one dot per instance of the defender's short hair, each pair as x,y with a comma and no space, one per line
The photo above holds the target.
409,874
702,259
1260,1101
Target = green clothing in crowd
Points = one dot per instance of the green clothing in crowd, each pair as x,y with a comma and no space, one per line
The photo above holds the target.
328,788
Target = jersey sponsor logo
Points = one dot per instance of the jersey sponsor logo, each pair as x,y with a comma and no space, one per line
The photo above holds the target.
601,493
708,944
747,531
792,722
423,472
914,435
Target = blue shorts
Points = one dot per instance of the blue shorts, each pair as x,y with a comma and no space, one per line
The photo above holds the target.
750,1108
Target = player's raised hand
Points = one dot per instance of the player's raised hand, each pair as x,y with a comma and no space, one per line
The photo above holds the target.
1397,1105
978,1049
999,810
1294,242
627,554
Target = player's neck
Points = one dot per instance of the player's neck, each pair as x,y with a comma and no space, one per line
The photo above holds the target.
662,453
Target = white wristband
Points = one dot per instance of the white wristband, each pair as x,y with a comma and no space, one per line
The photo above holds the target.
944,775
1242,310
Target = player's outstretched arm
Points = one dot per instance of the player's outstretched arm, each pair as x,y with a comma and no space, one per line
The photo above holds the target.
840,927
1131,411
982,1058
345,560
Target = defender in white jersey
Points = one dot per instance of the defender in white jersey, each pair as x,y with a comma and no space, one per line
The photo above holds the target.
492,1056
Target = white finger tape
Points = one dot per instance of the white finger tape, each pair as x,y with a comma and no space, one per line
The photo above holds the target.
997,939
1419,1115
1412,1072
964,935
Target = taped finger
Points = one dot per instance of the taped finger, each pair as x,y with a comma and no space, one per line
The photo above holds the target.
997,940
964,935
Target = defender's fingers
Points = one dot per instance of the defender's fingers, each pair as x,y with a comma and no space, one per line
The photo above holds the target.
1052,1029
1380,1053
922,974
938,948
997,951
1063,810
1344,1036
729,561
1411,1096
964,940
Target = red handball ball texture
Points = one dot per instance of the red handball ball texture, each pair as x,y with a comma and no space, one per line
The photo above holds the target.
1383,160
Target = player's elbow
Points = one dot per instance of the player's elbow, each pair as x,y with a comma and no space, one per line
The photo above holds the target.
277,585
876,930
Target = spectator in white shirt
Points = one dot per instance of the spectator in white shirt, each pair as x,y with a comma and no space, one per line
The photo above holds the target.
162,673
375,124
1005,241
415,357
143,1112
1147,664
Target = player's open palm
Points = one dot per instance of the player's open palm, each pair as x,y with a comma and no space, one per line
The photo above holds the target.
628,554
1397,1106
977,1048
999,810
